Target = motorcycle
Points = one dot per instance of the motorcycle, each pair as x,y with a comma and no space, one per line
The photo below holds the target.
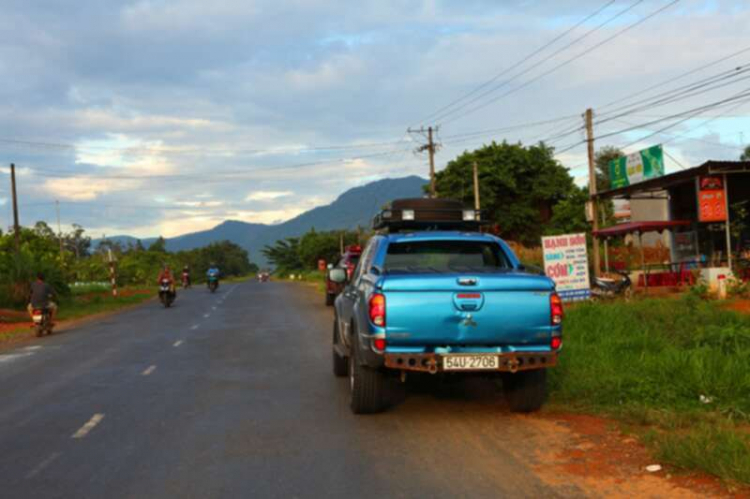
213,283
166,294
42,321
185,280
603,288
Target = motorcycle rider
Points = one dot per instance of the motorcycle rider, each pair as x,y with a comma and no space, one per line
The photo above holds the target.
40,297
166,274
213,272
186,276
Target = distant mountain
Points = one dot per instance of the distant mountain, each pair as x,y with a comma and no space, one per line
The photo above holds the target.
124,241
353,208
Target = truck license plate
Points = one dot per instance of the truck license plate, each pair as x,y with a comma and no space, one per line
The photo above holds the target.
470,362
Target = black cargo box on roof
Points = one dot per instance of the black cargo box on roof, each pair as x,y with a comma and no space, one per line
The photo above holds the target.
427,214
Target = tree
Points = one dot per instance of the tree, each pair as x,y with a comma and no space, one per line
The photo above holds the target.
602,158
519,186
745,154
569,215
159,246
76,242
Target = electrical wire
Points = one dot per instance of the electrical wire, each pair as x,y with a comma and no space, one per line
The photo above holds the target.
564,63
522,61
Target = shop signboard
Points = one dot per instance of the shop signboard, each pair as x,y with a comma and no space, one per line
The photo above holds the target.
566,263
636,167
712,205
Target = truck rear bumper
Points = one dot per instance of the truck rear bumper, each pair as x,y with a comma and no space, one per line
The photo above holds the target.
433,363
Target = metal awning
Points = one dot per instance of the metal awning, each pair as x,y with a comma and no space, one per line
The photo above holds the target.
688,175
640,227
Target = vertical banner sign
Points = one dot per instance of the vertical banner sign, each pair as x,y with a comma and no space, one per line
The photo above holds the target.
712,206
636,167
566,263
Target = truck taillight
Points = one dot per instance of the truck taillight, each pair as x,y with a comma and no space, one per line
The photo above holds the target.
556,309
377,309
379,344
555,343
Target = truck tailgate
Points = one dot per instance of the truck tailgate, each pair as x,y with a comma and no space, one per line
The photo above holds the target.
490,310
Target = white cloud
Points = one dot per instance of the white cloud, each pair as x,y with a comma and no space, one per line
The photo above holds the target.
85,187
267,195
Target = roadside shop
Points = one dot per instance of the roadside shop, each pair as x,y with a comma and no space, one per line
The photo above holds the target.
708,219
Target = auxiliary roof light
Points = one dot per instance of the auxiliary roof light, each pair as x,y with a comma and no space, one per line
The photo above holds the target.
407,215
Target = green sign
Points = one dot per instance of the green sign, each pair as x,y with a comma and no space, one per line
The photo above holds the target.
636,167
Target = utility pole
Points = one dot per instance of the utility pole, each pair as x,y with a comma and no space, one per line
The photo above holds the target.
16,227
592,187
430,147
112,275
59,230
477,206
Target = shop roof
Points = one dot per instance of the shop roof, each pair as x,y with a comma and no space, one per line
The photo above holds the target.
665,181
640,227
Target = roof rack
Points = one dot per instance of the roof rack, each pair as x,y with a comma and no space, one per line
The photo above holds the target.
427,214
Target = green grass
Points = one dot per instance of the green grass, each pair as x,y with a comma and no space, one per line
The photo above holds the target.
654,364
77,306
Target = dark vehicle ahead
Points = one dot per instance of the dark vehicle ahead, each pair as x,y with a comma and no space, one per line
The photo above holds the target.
432,294
348,262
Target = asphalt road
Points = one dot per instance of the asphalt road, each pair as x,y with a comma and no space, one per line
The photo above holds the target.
232,395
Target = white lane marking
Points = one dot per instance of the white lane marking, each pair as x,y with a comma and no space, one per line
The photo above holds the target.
206,316
195,326
213,308
85,429
42,465
31,348
14,356
178,343
148,370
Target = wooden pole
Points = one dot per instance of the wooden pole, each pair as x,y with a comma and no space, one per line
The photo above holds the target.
431,150
726,224
592,187
477,205
16,226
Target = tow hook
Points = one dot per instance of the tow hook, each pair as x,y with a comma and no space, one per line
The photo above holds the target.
432,366
513,365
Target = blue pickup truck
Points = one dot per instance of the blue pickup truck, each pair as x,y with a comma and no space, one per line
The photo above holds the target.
432,294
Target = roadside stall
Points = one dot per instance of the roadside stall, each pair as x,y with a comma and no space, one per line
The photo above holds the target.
708,219
659,274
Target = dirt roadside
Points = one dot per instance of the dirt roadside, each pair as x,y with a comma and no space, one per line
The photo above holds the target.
594,455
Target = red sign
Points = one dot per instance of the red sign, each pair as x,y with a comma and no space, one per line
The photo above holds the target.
712,205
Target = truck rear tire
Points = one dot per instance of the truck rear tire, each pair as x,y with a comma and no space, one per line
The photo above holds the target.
369,388
525,391
340,364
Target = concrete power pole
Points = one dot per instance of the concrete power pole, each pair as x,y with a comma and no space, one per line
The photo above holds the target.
16,227
592,187
477,206
430,147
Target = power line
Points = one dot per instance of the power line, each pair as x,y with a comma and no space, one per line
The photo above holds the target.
525,59
675,78
191,151
566,62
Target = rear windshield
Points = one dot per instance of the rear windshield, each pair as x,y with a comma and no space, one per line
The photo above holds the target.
445,257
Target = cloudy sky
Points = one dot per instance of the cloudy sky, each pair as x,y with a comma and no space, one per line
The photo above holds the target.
151,117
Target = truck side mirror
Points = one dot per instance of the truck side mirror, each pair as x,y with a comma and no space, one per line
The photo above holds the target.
337,275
